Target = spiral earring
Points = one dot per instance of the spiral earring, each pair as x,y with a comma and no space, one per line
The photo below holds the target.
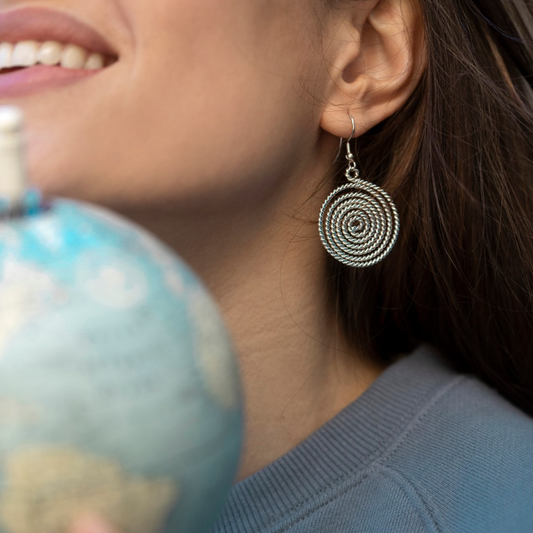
358,222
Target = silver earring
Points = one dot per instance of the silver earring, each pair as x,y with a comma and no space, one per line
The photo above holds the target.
358,222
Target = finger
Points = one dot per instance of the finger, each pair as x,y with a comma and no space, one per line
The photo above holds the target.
91,524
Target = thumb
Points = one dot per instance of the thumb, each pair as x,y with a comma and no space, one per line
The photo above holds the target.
91,523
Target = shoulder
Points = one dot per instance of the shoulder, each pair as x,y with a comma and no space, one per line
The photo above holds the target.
469,455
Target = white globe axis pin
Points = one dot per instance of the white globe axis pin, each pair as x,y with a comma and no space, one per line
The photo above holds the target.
13,181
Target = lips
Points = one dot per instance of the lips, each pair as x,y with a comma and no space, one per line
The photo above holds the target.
44,25
40,24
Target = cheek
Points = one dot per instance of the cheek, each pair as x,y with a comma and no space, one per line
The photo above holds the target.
197,111
169,136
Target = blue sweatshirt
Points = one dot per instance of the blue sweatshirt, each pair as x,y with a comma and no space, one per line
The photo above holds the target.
423,449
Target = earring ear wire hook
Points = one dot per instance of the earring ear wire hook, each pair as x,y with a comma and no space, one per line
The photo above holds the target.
348,151
349,154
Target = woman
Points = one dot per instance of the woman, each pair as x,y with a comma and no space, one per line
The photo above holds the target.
392,397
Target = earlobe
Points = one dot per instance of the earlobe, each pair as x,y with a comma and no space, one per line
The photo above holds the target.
377,63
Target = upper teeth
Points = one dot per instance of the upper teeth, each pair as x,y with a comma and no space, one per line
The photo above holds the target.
29,53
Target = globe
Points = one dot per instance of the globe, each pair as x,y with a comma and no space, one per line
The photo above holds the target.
120,392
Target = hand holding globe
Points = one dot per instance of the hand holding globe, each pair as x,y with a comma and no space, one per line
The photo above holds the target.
92,524
120,394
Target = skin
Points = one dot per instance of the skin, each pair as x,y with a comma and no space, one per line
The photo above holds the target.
213,130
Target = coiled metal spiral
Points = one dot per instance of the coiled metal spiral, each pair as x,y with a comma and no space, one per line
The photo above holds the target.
358,223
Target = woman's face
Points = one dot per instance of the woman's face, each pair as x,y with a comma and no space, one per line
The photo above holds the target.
204,101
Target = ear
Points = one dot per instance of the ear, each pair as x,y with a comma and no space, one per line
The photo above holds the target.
376,54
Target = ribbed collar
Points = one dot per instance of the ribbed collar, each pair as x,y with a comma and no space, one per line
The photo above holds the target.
342,446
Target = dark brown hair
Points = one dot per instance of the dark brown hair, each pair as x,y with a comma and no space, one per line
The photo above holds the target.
458,161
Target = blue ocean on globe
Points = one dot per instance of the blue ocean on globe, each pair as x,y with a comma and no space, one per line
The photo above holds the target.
120,391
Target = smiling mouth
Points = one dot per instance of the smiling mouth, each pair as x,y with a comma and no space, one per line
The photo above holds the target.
27,54
30,67
45,49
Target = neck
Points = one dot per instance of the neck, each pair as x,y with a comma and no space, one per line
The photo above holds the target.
267,272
